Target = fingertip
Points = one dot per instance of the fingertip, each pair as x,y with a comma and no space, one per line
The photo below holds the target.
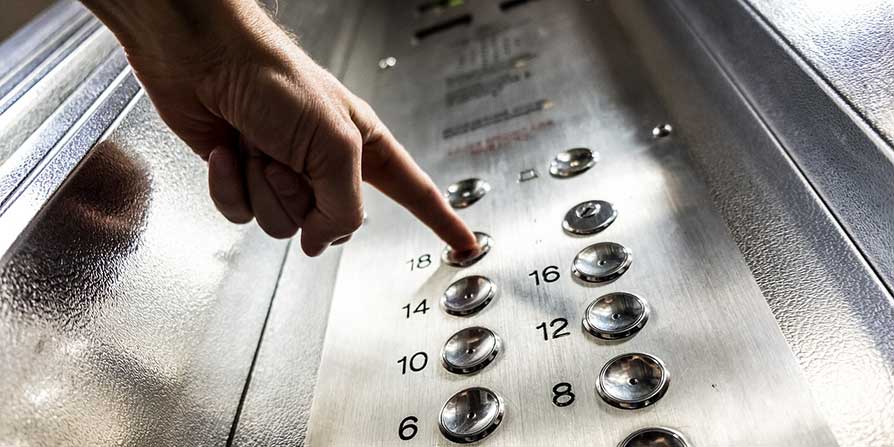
312,247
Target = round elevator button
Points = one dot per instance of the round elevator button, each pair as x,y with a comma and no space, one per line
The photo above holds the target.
466,192
601,262
471,415
468,295
616,316
470,350
589,217
654,437
572,162
632,381
468,257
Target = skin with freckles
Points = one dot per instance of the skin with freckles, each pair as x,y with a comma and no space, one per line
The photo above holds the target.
286,143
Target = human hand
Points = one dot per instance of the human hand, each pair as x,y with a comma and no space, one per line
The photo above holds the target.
286,142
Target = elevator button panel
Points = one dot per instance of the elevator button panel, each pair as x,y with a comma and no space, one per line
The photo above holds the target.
471,415
589,217
466,258
601,262
616,316
468,295
470,350
579,346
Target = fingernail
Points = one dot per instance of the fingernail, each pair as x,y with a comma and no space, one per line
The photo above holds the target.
281,180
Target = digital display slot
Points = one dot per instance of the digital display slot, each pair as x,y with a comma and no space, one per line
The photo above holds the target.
463,20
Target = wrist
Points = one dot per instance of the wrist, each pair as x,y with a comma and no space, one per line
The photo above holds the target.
176,34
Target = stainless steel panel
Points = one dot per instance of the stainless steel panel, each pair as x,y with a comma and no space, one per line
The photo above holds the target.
30,46
129,308
847,163
849,44
571,77
835,312
24,158
276,408
27,109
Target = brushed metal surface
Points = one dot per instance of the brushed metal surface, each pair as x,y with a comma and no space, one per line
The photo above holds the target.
736,381
835,312
130,309
278,400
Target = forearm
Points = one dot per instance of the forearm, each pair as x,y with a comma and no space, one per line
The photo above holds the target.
180,28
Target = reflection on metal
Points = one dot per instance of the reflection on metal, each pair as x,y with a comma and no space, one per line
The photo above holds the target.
589,217
387,62
654,437
632,381
601,262
662,130
466,192
468,295
471,415
572,162
615,316
470,350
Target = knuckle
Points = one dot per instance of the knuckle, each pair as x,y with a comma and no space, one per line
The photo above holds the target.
350,223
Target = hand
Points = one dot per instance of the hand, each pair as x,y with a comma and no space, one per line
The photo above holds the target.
286,143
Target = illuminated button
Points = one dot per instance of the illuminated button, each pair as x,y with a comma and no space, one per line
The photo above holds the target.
601,262
654,437
466,192
616,315
589,217
572,162
470,350
471,415
632,381
468,257
468,295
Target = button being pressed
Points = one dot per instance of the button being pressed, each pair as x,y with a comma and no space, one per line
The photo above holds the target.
466,258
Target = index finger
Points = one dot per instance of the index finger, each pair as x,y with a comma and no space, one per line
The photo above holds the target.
388,167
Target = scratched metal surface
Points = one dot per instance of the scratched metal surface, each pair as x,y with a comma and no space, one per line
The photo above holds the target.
570,78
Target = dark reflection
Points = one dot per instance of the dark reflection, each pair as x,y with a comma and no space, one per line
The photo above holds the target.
62,265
